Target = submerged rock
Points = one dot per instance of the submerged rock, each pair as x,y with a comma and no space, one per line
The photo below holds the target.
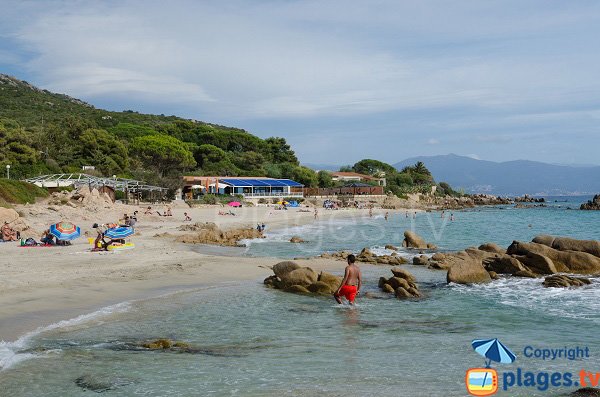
563,281
100,384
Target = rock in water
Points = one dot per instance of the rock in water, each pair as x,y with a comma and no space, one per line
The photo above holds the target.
564,261
304,276
296,240
492,247
586,392
569,244
285,267
413,240
402,284
468,272
100,384
563,281
593,204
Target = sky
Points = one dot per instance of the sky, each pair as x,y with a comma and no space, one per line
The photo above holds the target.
340,80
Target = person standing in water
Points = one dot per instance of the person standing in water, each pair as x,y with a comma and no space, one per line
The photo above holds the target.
350,285
451,217
386,215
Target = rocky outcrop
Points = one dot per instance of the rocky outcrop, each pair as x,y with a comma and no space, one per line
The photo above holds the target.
528,199
564,261
413,240
533,260
468,270
593,204
291,277
367,256
569,244
401,284
563,281
586,392
296,240
210,233
421,260
13,218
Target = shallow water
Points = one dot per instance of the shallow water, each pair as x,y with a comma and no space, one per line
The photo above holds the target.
251,341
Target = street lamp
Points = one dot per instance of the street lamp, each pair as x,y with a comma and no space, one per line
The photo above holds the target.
7,171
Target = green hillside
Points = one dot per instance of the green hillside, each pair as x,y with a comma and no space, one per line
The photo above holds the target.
43,132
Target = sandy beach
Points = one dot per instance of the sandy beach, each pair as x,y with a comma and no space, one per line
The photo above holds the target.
40,286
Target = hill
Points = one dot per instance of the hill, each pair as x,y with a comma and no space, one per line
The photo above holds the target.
43,132
510,178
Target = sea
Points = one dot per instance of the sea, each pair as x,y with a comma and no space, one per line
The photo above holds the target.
242,339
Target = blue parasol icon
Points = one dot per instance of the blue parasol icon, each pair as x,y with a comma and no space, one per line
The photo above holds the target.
493,350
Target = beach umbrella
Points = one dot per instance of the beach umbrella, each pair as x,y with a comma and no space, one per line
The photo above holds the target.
65,231
119,232
234,204
493,350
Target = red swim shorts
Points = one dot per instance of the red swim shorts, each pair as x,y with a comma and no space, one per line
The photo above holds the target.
349,292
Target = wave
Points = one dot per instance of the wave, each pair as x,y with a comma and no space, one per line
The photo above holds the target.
11,352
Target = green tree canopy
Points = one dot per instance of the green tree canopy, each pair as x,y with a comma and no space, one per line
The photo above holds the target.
324,179
163,153
373,167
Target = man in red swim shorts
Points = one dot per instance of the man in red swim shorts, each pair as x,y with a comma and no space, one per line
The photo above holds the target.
350,286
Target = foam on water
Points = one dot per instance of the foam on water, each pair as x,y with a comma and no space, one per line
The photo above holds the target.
10,351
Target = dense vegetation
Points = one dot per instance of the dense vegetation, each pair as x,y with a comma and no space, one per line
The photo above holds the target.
42,132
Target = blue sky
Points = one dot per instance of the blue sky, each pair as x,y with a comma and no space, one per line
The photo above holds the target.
341,80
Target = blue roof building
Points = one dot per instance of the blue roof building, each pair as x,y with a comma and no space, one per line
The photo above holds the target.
249,187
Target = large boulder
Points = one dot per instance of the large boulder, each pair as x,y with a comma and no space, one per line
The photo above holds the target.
564,261
402,284
504,264
303,276
398,272
285,267
331,280
322,288
593,204
537,263
492,247
296,239
413,240
468,271
569,244
296,289
421,260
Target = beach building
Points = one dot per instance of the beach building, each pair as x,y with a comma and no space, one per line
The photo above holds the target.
195,187
355,177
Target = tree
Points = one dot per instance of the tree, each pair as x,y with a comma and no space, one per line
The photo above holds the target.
305,176
163,153
278,151
324,179
420,168
373,167
103,150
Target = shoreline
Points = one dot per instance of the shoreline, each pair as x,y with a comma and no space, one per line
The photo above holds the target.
43,286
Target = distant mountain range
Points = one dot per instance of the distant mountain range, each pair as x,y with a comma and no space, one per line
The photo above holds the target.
511,177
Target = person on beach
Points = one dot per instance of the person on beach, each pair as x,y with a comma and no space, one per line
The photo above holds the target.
148,211
187,217
451,217
407,214
8,234
350,285
316,213
101,229
168,212
442,215
47,238
370,212
386,215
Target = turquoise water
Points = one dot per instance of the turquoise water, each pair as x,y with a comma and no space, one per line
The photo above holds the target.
247,340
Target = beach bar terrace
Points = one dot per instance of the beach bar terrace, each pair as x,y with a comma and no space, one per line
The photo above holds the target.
249,187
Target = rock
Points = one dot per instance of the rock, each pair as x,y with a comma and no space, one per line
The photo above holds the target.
525,273
563,281
303,276
593,204
387,288
421,260
537,263
398,272
391,247
285,267
586,392
297,289
402,293
564,261
438,256
468,272
414,292
331,280
382,281
397,282
296,240
493,275
159,344
8,215
94,383
413,240
210,233
570,244
322,288
504,264
492,247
